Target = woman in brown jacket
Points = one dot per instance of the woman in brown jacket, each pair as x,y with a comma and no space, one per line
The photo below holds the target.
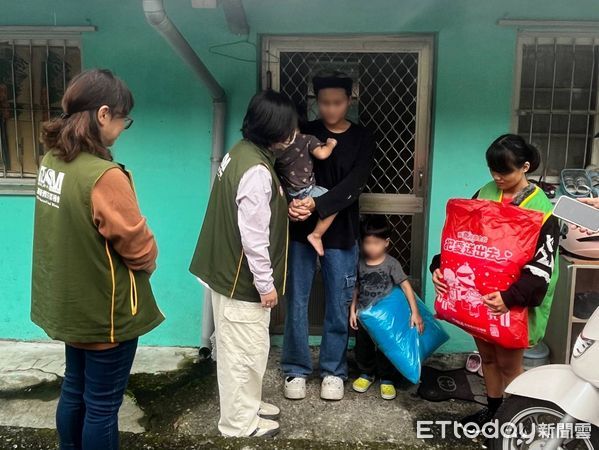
93,254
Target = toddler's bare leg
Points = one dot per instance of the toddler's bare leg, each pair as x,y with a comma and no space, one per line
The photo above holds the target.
315,238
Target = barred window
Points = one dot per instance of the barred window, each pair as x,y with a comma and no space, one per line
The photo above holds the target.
34,74
556,99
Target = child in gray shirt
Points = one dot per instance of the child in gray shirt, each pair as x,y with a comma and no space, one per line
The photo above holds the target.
378,273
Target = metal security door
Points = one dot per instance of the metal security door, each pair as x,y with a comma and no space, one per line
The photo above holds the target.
391,97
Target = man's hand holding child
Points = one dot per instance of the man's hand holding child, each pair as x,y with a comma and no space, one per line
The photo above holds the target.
300,210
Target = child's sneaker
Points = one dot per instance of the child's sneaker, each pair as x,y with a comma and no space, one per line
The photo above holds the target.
363,383
388,391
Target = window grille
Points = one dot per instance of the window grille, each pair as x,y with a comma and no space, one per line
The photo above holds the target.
556,99
34,74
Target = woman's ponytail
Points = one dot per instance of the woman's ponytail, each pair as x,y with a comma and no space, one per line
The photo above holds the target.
51,130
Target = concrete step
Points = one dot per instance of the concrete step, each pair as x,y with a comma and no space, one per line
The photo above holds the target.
172,403
31,373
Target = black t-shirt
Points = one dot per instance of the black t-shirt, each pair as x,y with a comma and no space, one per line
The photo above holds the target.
345,174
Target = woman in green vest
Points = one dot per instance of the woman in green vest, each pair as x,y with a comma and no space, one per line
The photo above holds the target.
510,158
241,256
93,254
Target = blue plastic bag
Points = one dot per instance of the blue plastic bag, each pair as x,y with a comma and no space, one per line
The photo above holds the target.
388,324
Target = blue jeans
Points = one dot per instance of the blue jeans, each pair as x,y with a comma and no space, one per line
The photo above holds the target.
339,276
91,395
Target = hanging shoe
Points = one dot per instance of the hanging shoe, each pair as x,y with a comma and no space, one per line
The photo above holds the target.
473,362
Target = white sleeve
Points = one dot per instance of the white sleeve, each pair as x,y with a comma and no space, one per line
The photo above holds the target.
253,217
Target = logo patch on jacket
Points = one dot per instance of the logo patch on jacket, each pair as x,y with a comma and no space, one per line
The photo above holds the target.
223,165
49,186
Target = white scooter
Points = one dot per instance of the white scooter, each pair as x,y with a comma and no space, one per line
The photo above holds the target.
564,396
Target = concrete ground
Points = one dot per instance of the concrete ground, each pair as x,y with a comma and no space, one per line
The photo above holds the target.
172,403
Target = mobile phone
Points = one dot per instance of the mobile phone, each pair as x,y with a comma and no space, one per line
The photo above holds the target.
577,213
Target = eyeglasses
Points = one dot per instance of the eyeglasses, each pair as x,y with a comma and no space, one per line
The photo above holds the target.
128,122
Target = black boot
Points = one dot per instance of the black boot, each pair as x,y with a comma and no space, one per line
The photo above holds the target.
486,414
480,417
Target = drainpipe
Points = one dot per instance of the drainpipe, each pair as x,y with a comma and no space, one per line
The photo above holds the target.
158,18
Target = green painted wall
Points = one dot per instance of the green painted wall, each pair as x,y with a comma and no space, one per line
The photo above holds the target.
168,150
168,146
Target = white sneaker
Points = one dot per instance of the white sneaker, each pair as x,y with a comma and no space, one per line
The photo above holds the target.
332,388
268,411
295,388
266,428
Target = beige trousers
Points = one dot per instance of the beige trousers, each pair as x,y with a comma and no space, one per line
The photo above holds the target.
242,346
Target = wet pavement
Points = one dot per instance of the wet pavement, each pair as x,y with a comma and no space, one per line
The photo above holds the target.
172,403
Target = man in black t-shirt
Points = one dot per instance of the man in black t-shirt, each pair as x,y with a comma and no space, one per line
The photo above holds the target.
344,174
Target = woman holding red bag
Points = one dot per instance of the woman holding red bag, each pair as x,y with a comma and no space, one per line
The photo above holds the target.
509,159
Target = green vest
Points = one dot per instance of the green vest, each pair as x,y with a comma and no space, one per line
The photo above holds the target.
82,291
219,260
537,201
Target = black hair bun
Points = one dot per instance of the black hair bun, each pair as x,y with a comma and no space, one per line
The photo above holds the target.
534,157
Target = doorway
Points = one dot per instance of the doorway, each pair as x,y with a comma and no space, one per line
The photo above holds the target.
392,97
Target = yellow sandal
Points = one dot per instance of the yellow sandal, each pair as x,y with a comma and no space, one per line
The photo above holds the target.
388,391
362,384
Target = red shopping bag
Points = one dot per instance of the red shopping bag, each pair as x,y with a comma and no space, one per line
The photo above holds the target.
484,247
